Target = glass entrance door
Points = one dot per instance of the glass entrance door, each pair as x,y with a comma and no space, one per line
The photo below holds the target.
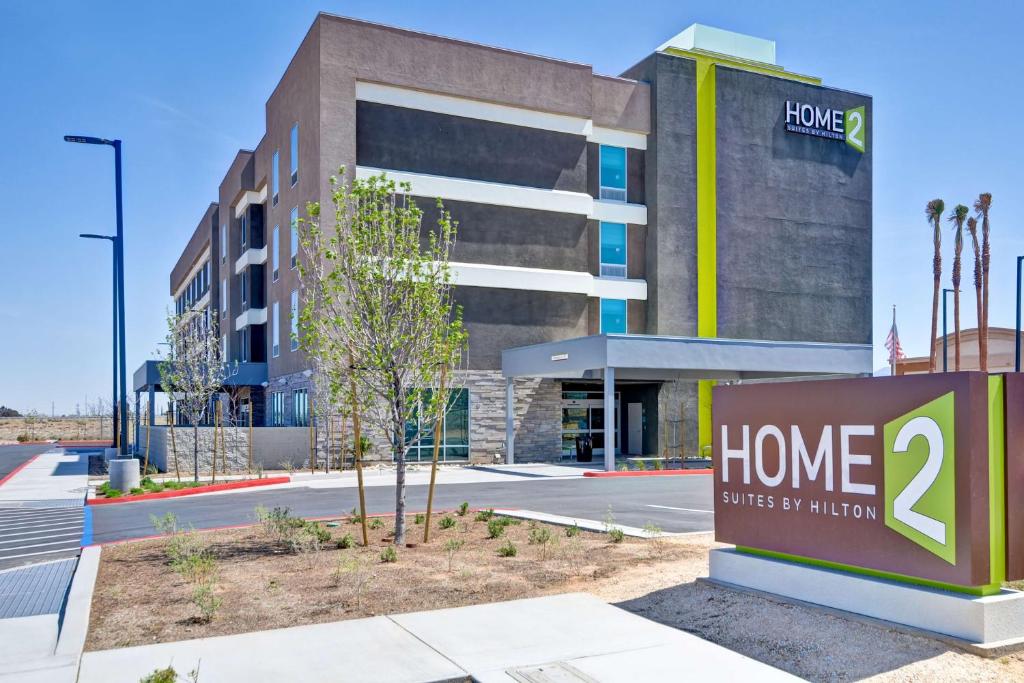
583,413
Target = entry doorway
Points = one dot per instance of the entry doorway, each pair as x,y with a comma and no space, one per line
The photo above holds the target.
583,414
635,422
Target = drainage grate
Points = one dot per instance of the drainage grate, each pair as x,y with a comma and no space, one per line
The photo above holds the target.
555,672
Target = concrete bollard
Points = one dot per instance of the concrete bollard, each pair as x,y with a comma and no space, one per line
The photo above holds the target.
124,474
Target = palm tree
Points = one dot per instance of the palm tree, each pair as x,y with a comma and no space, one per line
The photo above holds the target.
957,219
972,227
982,205
933,212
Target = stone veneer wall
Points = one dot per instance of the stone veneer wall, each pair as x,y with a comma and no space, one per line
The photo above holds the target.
538,420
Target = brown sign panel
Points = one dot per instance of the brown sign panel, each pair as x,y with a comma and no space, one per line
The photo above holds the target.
887,474
1014,476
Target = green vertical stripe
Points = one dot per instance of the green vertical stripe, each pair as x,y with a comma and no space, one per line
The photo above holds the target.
997,479
707,261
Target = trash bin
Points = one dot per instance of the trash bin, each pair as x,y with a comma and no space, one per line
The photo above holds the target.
584,448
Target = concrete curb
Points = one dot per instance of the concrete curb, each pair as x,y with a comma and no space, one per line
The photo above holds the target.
590,524
10,475
212,488
646,473
75,624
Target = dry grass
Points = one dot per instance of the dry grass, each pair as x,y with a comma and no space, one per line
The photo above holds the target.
264,586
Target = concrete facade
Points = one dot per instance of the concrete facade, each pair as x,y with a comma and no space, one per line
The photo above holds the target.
512,143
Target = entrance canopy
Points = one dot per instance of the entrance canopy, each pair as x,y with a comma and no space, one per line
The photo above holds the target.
655,358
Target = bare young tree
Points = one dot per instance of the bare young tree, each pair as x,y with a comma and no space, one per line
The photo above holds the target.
193,371
384,299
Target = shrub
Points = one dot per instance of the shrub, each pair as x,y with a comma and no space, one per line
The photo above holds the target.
507,549
452,546
168,675
103,488
113,493
204,598
623,467
360,572
174,485
136,490
166,525
346,542
572,531
539,535
419,518
446,522
641,465
495,528
376,523
389,554
354,517
616,535
463,509
484,515
658,465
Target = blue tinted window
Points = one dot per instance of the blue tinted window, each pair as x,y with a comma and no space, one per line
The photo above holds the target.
275,175
613,172
613,316
613,249
295,153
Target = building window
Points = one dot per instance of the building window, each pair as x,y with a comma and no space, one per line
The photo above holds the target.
223,242
295,236
243,345
300,408
242,232
454,444
243,281
276,255
275,174
224,296
613,316
613,173
295,319
276,408
224,348
295,154
613,249
275,330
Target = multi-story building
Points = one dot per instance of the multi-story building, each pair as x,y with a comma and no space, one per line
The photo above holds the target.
705,192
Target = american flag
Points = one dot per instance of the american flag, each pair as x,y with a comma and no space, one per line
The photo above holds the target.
892,342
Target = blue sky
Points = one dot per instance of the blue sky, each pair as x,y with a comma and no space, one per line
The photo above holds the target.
184,85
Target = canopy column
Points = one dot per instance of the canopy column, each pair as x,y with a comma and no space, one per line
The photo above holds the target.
510,420
609,419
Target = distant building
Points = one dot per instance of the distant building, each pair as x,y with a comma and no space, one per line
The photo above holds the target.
1000,353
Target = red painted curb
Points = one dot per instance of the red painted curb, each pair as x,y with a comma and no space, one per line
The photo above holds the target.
647,473
227,486
17,469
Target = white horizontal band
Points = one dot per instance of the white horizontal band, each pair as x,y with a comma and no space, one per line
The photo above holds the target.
250,197
545,280
518,196
200,262
250,257
497,113
252,316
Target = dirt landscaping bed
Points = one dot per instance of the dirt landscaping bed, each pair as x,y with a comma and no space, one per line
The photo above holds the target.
265,582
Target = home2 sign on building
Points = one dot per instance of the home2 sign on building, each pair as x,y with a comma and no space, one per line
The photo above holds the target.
902,476
824,122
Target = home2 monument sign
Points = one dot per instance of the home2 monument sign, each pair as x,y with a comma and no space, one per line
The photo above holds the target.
902,478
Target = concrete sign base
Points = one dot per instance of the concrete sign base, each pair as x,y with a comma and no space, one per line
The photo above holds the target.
993,623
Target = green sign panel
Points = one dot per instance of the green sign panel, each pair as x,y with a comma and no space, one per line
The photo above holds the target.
855,126
920,491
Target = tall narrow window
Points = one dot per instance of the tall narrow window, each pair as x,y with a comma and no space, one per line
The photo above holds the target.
224,348
243,281
243,345
242,232
224,296
613,249
300,408
275,330
295,235
295,319
613,173
223,242
295,154
276,255
275,175
613,316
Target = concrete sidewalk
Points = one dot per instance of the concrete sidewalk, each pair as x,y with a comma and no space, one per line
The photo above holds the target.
52,479
568,638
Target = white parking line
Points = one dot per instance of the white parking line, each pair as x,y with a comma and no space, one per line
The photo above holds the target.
23,540
49,532
669,507
41,552
6,528
73,543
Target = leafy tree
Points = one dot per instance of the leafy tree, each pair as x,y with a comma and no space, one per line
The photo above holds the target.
933,212
957,219
379,311
193,371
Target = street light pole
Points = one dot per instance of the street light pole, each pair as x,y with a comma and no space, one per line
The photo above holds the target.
113,340
1016,344
119,275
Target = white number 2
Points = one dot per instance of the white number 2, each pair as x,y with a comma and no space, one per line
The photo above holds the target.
923,480
858,124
